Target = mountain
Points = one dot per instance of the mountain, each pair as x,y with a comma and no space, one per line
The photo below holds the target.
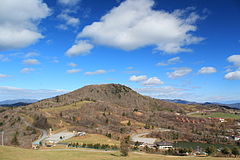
17,101
15,104
108,109
227,106
234,105
179,101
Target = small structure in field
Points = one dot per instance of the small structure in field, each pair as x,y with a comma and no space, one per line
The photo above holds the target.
218,119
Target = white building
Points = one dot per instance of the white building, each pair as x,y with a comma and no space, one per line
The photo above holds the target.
164,145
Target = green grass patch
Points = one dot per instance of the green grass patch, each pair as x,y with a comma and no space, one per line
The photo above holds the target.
217,115
76,105
92,139
195,145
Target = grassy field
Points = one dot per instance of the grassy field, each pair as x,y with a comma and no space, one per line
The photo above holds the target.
66,107
218,115
92,139
12,153
194,145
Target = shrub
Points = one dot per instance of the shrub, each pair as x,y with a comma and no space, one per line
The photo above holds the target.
211,149
226,150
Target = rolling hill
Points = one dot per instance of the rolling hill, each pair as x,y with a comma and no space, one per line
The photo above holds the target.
105,109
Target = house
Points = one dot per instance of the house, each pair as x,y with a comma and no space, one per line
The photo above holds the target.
163,145
236,138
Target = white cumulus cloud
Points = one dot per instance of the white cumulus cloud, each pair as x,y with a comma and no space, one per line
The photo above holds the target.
153,81
27,70
31,61
3,76
31,54
137,78
4,58
134,24
69,20
235,59
69,2
80,48
170,61
71,71
179,72
233,75
72,64
207,70
100,71
19,21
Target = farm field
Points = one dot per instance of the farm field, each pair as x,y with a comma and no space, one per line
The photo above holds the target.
217,115
92,139
12,153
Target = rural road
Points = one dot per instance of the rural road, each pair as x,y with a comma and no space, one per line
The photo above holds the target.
44,133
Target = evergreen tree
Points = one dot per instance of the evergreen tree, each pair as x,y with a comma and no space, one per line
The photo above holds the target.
15,139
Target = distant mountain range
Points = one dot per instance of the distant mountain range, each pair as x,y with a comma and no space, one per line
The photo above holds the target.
24,102
17,102
233,105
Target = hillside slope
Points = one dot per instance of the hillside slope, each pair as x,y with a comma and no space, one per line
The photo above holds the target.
104,109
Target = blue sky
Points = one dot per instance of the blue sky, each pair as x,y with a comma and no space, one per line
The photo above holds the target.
187,49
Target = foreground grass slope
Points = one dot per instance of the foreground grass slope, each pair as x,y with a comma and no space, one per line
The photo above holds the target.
12,153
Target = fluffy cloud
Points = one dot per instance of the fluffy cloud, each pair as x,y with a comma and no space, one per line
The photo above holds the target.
207,70
4,58
134,24
153,81
3,76
179,72
233,75
31,54
69,20
170,61
27,70
20,93
129,68
80,48
72,64
137,78
100,71
71,71
18,22
31,61
69,2
235,59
